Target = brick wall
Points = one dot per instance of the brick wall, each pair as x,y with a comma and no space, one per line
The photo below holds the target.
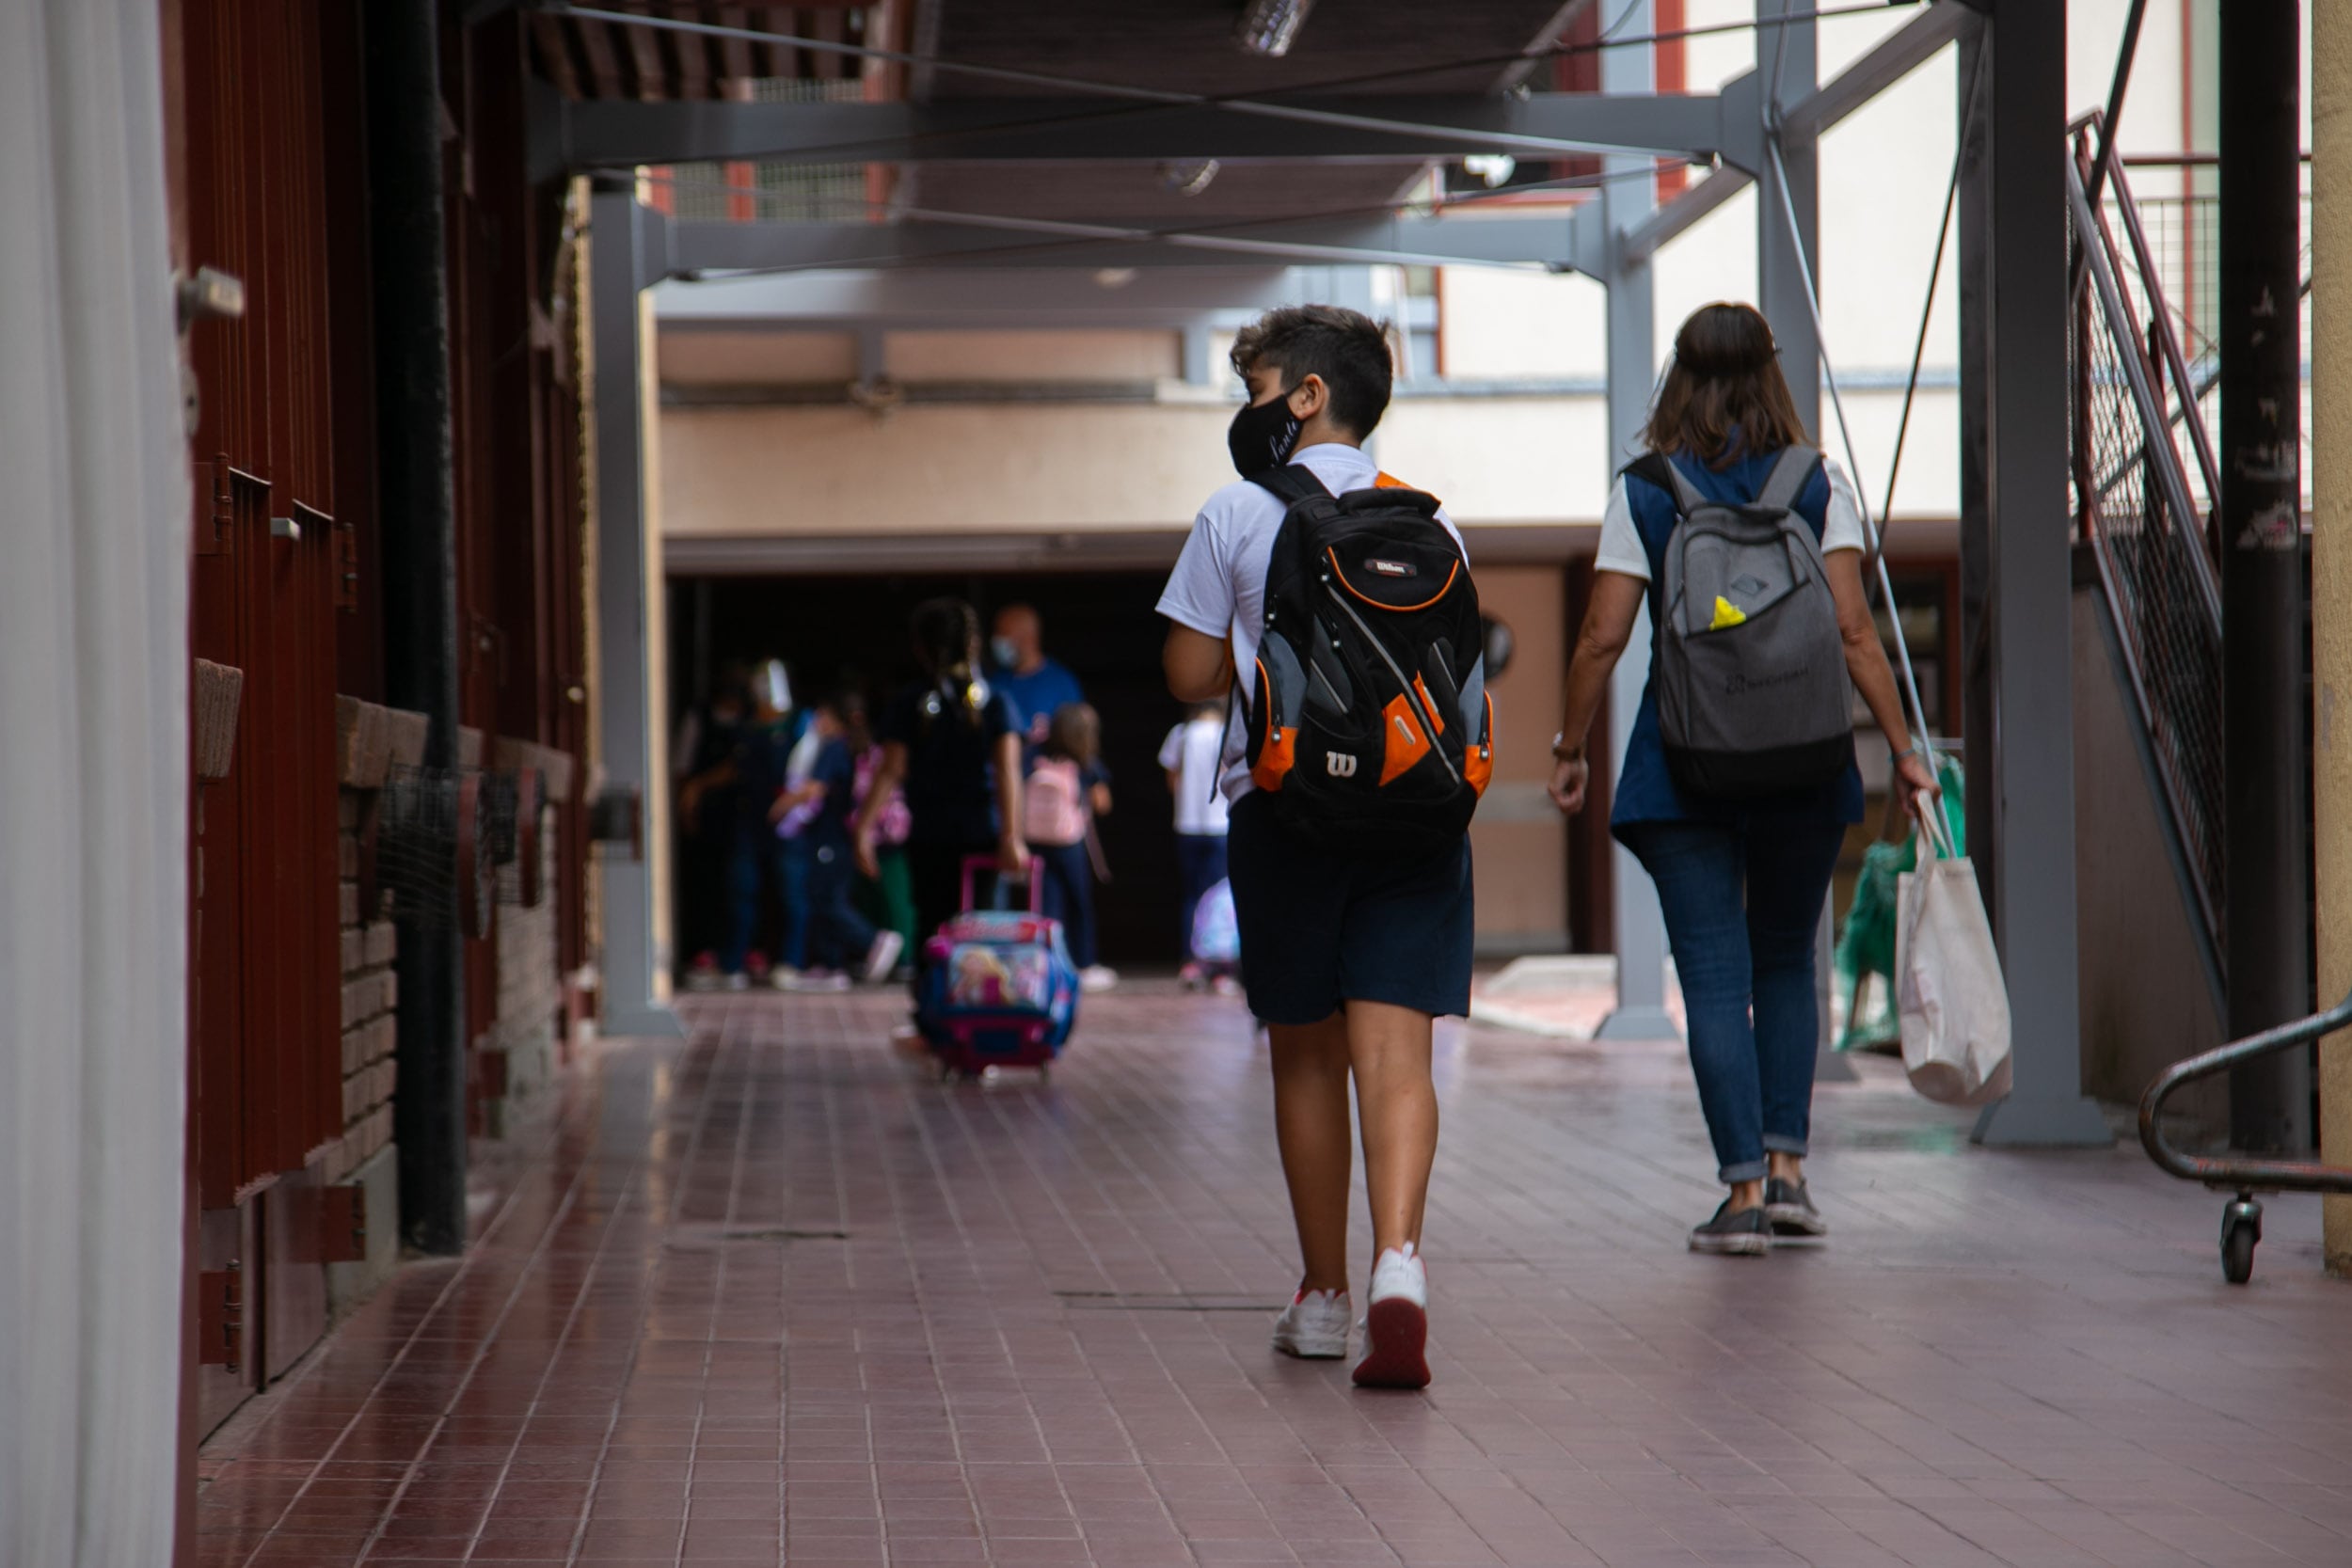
371,739
522,1046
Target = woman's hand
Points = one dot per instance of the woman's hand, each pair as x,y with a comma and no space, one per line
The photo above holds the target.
1570,776
868,861
1915,777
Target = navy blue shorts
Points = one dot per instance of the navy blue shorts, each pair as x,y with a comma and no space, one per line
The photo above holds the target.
1319,930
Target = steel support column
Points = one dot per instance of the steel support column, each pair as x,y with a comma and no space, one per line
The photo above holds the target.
2331,591
2032,782
624,256
1641,930
2262,566
1787,58
418,502
1970,277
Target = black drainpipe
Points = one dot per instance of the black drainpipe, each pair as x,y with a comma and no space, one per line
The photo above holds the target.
418,512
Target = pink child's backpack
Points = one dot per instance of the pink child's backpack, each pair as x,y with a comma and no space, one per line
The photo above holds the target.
1054,807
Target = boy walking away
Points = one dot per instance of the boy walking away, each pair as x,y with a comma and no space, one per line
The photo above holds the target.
1068,789
1190,756
838,934
1359,747
952,743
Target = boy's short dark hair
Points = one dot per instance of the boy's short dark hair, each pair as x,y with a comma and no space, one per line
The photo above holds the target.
1347,348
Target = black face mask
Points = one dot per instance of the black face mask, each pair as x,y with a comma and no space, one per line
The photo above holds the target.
1262,436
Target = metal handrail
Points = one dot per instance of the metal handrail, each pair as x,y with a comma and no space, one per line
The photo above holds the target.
2243,1174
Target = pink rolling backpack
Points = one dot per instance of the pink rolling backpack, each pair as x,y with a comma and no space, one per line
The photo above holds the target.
999,988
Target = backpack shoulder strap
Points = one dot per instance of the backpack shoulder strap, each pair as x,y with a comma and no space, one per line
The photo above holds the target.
1789,478
1660,470
1292,483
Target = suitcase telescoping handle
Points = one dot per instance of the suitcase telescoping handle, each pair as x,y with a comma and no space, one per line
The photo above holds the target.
974,864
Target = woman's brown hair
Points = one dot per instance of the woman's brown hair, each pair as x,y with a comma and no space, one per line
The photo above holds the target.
1723,397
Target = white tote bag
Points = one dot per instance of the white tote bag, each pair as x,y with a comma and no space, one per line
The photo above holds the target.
1952,1001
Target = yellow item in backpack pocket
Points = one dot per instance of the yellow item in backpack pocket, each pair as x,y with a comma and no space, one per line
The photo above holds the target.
1726,614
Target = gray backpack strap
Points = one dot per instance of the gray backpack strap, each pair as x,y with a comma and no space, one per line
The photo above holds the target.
1687,497
1787,478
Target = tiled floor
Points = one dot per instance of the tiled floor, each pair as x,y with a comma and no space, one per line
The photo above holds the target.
779,1297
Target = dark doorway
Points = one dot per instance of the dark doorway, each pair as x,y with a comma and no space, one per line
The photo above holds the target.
832,631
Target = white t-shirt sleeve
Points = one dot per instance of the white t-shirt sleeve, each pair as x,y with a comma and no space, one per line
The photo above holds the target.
1841,528
1199,591
1620,542
1172,750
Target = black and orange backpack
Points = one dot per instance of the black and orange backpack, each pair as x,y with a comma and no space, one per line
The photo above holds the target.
1369,721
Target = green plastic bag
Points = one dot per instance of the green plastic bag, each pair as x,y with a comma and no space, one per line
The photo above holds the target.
1865,945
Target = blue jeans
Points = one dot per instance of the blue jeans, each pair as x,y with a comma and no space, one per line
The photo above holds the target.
753,852
1742,901
1070,896
839,936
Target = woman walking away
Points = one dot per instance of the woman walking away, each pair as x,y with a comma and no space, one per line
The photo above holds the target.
950,741
1067,789
1740,839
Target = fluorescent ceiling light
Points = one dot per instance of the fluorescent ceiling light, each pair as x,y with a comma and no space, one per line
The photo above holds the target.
1269,27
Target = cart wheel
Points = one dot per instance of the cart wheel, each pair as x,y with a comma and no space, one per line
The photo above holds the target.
2241,1227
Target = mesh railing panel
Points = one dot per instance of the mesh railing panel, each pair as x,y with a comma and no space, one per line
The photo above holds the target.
2154,572
778,193
2184,236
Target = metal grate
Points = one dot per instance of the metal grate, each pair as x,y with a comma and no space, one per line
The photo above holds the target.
776,193
433,847
2183,241
2133,496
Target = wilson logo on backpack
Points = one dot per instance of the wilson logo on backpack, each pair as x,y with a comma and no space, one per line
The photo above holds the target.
1750,668
1360,657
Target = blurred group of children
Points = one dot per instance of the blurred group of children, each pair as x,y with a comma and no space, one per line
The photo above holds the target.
770,791
862,831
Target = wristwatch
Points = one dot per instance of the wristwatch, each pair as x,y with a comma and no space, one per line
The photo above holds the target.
1563,752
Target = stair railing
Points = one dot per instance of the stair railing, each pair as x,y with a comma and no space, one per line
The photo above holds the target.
2150,540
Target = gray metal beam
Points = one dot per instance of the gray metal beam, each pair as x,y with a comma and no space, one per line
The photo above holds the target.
1667,223
1640,928
624,238
1787,60
918,297
707,248
2032,787
1396,127
1888,61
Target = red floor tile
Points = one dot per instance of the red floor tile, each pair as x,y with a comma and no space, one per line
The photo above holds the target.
778,1297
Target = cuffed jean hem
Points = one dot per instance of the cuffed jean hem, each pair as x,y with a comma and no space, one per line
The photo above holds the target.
1780,1143
1750,1170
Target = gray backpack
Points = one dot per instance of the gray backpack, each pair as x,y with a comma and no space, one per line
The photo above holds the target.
1753,694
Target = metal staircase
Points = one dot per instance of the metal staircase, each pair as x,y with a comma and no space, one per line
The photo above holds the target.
2142,473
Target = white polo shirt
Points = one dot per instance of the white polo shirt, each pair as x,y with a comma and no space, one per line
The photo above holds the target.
1218,586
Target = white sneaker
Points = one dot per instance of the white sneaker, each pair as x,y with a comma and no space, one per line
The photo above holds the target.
738,981
815,980
883,957
1396,1324
1097,978
1313,1326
